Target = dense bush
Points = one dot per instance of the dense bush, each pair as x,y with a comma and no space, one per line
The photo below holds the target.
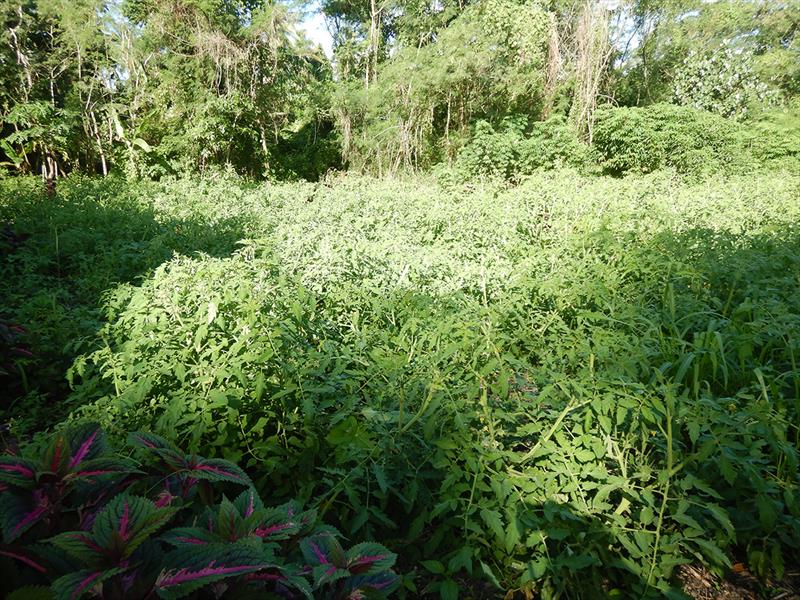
93,235
642,140
515,150
571,383
90,521
630,140
774,138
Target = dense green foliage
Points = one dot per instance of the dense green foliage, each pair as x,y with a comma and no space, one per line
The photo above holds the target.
577,382
692,142
642,140
721,82
158,87
551,351
90,521
514,150
153,88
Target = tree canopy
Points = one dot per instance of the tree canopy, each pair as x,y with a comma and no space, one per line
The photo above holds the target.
154,87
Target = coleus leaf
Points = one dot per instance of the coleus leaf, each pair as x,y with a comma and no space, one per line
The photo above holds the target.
86,442
149,441
323,550
127,521
248,502
230,524
287,576
17,471
369,558
171,461
286,521
118,530
198,566
76,585
20,513
101,467
54,559
58,455
193,536
245,517
80,545
378,585
216,469
209,469
326,575
324,554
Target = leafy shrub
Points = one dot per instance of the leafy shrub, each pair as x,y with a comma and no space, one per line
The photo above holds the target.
63,252
92,522
515,150
774,138
552,144
642,140
490,153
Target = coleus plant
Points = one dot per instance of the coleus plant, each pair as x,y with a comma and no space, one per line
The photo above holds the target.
75,472
183,475
89,523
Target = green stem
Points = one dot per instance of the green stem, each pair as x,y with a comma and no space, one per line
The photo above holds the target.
665,497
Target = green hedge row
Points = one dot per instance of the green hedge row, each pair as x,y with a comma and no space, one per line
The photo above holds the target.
632,140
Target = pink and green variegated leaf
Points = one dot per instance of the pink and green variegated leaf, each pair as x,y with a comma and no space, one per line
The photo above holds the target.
101,467
306,519
192,536
378,585
230,524
127,521
149,441
195,567
58,455
323,550
20,513
18,472
216,469
79,584
286,521
23,556
87,442
276,529
369,558
276,524
325,575
79,544
248,503
171,460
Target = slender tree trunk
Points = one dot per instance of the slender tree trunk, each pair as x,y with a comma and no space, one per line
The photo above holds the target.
96,131
447,128
373,43
264,147
593,54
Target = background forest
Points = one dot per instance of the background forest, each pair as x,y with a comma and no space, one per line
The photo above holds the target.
153,88
498,300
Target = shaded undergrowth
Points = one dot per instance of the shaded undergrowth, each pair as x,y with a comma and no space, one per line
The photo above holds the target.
573,385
